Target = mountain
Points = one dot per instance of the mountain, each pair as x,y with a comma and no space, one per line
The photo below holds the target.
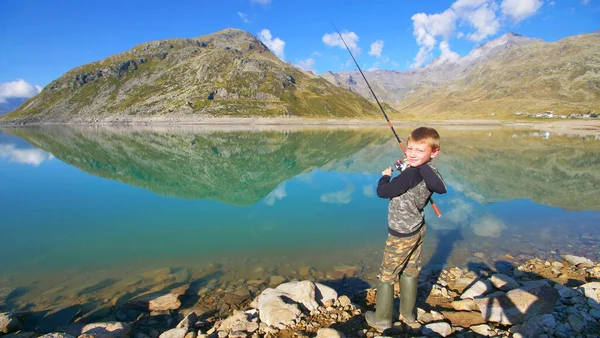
228,73
509,74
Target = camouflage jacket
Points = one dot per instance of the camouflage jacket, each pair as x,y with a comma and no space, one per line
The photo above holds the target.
409,193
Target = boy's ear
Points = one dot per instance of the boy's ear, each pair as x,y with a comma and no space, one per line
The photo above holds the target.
435,152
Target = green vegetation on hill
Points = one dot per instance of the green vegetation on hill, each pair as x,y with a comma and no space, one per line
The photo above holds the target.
226,74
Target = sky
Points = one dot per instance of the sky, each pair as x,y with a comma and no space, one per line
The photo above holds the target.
40,40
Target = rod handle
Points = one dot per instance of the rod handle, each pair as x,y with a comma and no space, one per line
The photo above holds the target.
435,208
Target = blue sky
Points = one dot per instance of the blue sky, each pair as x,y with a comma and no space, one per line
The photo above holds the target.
40,40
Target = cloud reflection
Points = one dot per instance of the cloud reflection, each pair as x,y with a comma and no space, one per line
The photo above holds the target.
369,190
488,226
338,197
26,156
278,194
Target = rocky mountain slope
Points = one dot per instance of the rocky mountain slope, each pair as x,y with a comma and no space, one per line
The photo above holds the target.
227,73
510,74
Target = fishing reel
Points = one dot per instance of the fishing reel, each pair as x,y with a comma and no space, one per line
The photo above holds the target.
400,166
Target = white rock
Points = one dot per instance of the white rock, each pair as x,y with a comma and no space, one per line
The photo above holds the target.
503,282
329,333
108,329
479,288
519,304
324,293
174,333
302,292
591,291
580,262
440,328
9,322
482,329
273,310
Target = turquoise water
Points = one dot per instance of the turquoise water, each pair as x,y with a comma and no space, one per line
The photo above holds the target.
82,205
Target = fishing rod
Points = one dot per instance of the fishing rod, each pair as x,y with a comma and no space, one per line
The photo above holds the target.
433,205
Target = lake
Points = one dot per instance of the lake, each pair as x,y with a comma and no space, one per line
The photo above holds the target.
100,214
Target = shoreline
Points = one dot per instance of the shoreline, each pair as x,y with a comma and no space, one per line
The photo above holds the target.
576,127
559,297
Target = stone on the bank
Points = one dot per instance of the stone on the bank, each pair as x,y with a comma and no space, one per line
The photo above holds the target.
344,301
592,292
519,304
329,333
57,335
464,305
174,333
239,321
325,293
276,280
503,282
463,319
482,329
478,289
9,322
440,328
107,330
302,292
580,262
188,322
534,326
462,283
272,308
158,301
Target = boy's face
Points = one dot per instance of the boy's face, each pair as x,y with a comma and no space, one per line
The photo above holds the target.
419,153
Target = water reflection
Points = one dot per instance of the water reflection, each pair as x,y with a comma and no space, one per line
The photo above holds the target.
276,200
30,156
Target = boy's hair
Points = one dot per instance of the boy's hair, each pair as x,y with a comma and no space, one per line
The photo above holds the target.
425,135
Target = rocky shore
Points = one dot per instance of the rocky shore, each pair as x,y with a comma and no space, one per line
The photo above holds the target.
538,298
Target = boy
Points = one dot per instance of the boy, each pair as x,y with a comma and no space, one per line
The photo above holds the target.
408,194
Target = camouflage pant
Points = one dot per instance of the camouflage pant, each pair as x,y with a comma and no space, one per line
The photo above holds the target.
402,255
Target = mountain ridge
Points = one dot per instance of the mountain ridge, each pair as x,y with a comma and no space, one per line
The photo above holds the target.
229,73
509,74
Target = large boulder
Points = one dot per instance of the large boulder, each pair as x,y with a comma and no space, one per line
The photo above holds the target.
9,322
517,305
275,309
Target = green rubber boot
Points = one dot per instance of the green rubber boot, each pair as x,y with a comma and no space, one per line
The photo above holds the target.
408,298
381,319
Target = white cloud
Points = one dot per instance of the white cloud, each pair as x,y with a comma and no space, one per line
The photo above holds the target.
276,45
306,64
17,89
316,54
26,156
351,39
552,3
261,2
478,20
373,67
447,54
376,48
244,17
585,2
278,194
520,10
485,22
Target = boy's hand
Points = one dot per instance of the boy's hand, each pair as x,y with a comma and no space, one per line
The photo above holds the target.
387,172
